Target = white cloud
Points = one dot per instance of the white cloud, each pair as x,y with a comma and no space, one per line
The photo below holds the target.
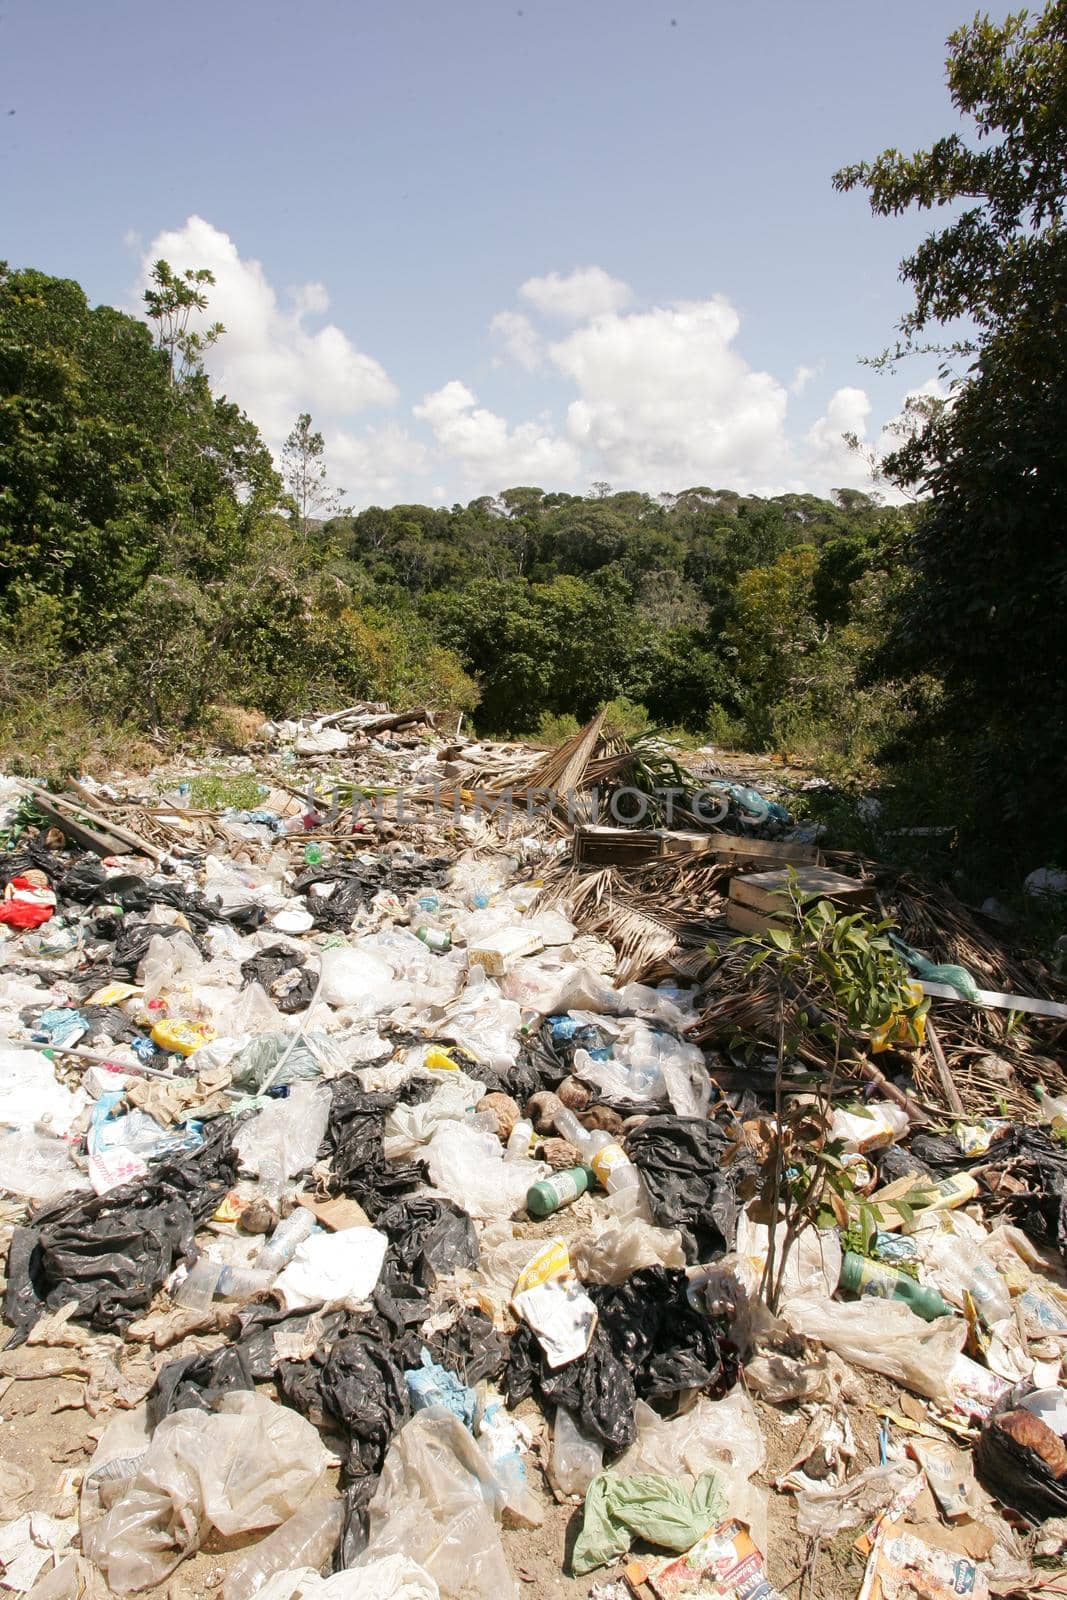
519,338
269,360
490,455
585,292
375,465
832,460
664,402
659,398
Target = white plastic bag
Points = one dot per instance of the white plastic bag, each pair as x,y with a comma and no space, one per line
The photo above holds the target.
391,1578
357,980
339,1269
30,1095
883,1336
624,1248
407,1127
483,1022
468,1166
288,1130
248,1465
724,1434
438,1503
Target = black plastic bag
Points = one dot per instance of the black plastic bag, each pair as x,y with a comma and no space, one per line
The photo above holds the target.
353,1538
270,965
679,1159
198,1381
359,883
667,1346
470,1347
597,1387
357,1160
428,1237
1016,1475
258,1325
1037,1160
110,1253
358,1383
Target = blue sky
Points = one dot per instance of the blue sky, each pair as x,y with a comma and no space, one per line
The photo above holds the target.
489,243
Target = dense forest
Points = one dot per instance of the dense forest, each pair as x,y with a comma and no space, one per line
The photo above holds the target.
155,560
158,566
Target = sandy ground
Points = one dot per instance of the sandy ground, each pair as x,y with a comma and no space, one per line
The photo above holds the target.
46,1429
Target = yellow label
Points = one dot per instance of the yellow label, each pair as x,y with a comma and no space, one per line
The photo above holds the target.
606,1160
553,1260
438,1060
184,1037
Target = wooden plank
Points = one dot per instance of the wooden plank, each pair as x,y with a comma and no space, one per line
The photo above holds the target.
746,919
771,891
730,849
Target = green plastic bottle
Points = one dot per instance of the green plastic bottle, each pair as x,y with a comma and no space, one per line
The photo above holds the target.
313,854
883,1282
561,1189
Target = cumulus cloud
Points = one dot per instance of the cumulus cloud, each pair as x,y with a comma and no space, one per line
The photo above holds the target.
270,361
657,398
573,296
664,401
830,458
375,465
488,453
518,338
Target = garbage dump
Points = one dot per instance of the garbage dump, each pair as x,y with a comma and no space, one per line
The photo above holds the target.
475,1171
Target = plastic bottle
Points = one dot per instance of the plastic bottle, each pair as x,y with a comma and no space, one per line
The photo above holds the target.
553,1193
313,853
243,1283
612,1167
271,1183
1053,1107
434,937
576,1459
306,1539
197,1289
880,1281
281,1246
518,1146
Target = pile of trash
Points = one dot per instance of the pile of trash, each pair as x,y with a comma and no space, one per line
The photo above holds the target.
430,1209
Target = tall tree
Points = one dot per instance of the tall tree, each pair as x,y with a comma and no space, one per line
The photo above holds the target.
170,304
305,474
988,557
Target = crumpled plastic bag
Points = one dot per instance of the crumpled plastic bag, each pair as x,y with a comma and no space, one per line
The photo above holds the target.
391,1578
334,1269
358,981
30,1094
824,1510
883,1336
291,1130
250,1464
624,1248
407,1127
680,1160
468,1166
723,1434
651,1506
438,1502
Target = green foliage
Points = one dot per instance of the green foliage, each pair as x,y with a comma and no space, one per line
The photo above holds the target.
845,962
553,729
988,563
625,716
168,569
216,791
